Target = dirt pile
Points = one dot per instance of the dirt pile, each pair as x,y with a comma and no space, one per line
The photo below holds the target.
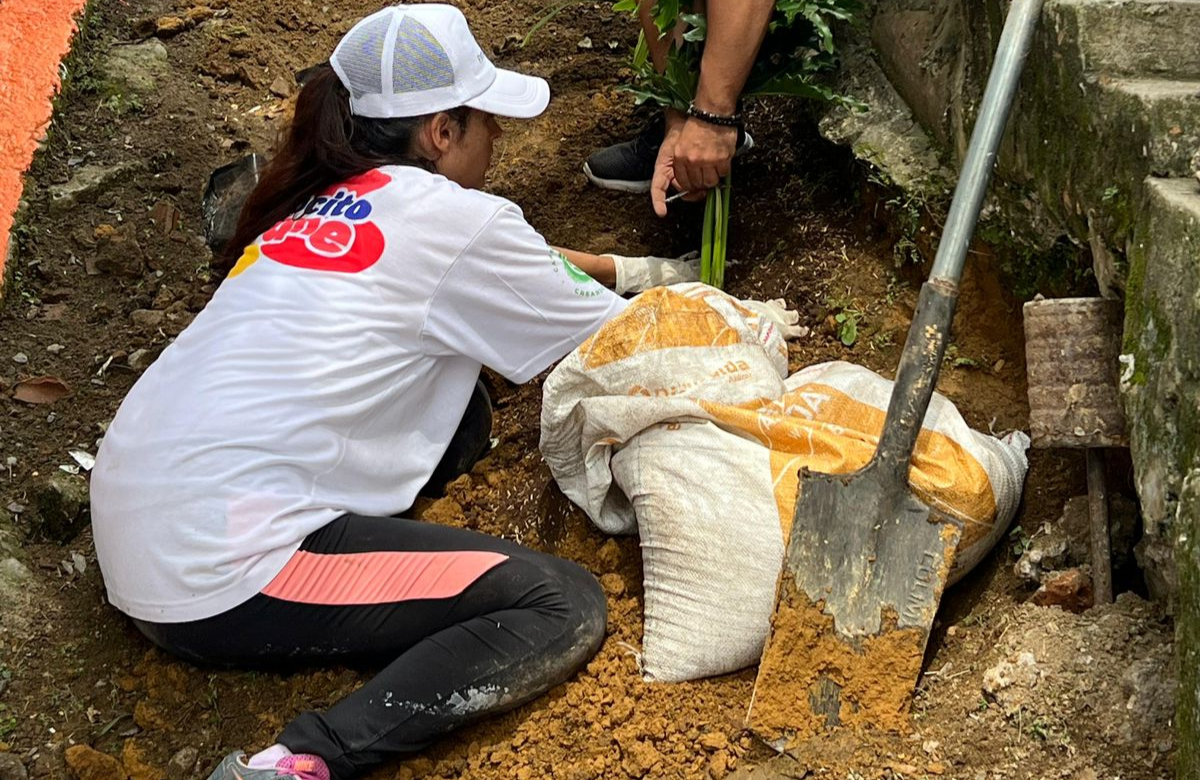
1107,675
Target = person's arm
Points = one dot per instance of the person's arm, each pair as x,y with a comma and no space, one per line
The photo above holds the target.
602,268
695,155
634,274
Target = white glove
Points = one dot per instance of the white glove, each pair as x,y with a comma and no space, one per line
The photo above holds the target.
638,274
780,315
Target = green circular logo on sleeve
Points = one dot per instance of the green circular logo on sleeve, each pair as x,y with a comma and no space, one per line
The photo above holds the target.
573,271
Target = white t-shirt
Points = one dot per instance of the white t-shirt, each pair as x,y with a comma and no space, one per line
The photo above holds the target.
327,375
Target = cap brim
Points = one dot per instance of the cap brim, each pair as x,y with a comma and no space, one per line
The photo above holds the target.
514,95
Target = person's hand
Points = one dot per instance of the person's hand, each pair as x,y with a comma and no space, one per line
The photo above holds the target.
693,157
664,165
777,312
638,274
702,155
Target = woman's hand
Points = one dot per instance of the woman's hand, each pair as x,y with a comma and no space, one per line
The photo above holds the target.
638,274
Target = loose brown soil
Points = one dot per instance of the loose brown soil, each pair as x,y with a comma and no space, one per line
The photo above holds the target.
76,672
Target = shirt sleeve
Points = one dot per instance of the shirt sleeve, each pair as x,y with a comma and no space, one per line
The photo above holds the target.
513,303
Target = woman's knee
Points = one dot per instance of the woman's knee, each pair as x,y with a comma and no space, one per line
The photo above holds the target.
586,604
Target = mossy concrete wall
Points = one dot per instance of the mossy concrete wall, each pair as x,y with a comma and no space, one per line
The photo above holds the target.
1161,383
1080,140
1161,375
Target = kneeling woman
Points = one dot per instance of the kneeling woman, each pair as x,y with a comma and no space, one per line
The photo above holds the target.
244,499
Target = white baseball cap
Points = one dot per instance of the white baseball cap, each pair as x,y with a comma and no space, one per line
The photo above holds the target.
409,60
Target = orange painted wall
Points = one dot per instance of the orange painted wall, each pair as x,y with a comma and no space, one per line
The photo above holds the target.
35,35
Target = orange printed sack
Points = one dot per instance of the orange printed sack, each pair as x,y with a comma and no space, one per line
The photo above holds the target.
677,420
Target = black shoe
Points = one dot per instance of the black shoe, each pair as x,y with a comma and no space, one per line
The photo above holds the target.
629,166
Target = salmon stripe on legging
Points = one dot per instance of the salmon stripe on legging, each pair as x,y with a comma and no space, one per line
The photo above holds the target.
379,577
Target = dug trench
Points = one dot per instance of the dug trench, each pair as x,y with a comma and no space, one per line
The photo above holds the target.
111,265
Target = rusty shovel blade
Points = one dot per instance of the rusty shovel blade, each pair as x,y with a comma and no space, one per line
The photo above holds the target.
864,571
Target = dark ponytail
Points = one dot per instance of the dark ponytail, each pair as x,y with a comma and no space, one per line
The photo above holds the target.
324,145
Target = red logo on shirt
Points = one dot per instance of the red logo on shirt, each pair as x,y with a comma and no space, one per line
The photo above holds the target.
333,232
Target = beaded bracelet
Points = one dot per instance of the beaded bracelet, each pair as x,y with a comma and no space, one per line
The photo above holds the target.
714,119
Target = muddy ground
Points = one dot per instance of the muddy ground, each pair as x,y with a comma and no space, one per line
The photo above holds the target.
105,278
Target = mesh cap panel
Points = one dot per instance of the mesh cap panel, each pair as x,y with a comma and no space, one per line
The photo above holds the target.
361,57
419,62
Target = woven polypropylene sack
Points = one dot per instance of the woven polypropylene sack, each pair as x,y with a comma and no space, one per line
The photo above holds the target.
711,547
677,420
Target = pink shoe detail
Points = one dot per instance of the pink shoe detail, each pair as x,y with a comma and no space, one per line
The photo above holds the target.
304,766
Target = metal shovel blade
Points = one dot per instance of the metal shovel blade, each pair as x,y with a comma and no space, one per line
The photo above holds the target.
865,568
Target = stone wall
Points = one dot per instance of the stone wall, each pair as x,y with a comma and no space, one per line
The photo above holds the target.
1087,127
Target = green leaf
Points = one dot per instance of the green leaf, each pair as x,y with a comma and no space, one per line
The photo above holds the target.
822,27
849,332
666,14
626,6
697,27
641,53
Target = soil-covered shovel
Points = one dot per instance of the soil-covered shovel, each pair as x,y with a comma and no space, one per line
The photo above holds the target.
867,560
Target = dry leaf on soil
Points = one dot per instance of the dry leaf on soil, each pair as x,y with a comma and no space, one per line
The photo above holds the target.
41,390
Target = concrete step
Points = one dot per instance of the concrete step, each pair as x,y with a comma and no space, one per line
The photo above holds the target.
1138,38
1163,117
1177,202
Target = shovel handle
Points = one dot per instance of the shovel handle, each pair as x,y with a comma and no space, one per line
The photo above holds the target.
927,338
916,378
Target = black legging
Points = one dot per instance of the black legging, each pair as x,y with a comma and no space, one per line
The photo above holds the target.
504,637
520,629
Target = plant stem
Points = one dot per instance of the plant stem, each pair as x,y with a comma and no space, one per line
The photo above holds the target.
706,239
715,239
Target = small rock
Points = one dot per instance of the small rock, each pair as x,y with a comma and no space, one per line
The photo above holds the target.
165,216
183,763
118,251
54,349
134,70
12,570
1070,589
60,508
87,182
20,358
281,87
148,318
585,42
11,768
1046,552
90,764
1024,673
169,26
139,359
